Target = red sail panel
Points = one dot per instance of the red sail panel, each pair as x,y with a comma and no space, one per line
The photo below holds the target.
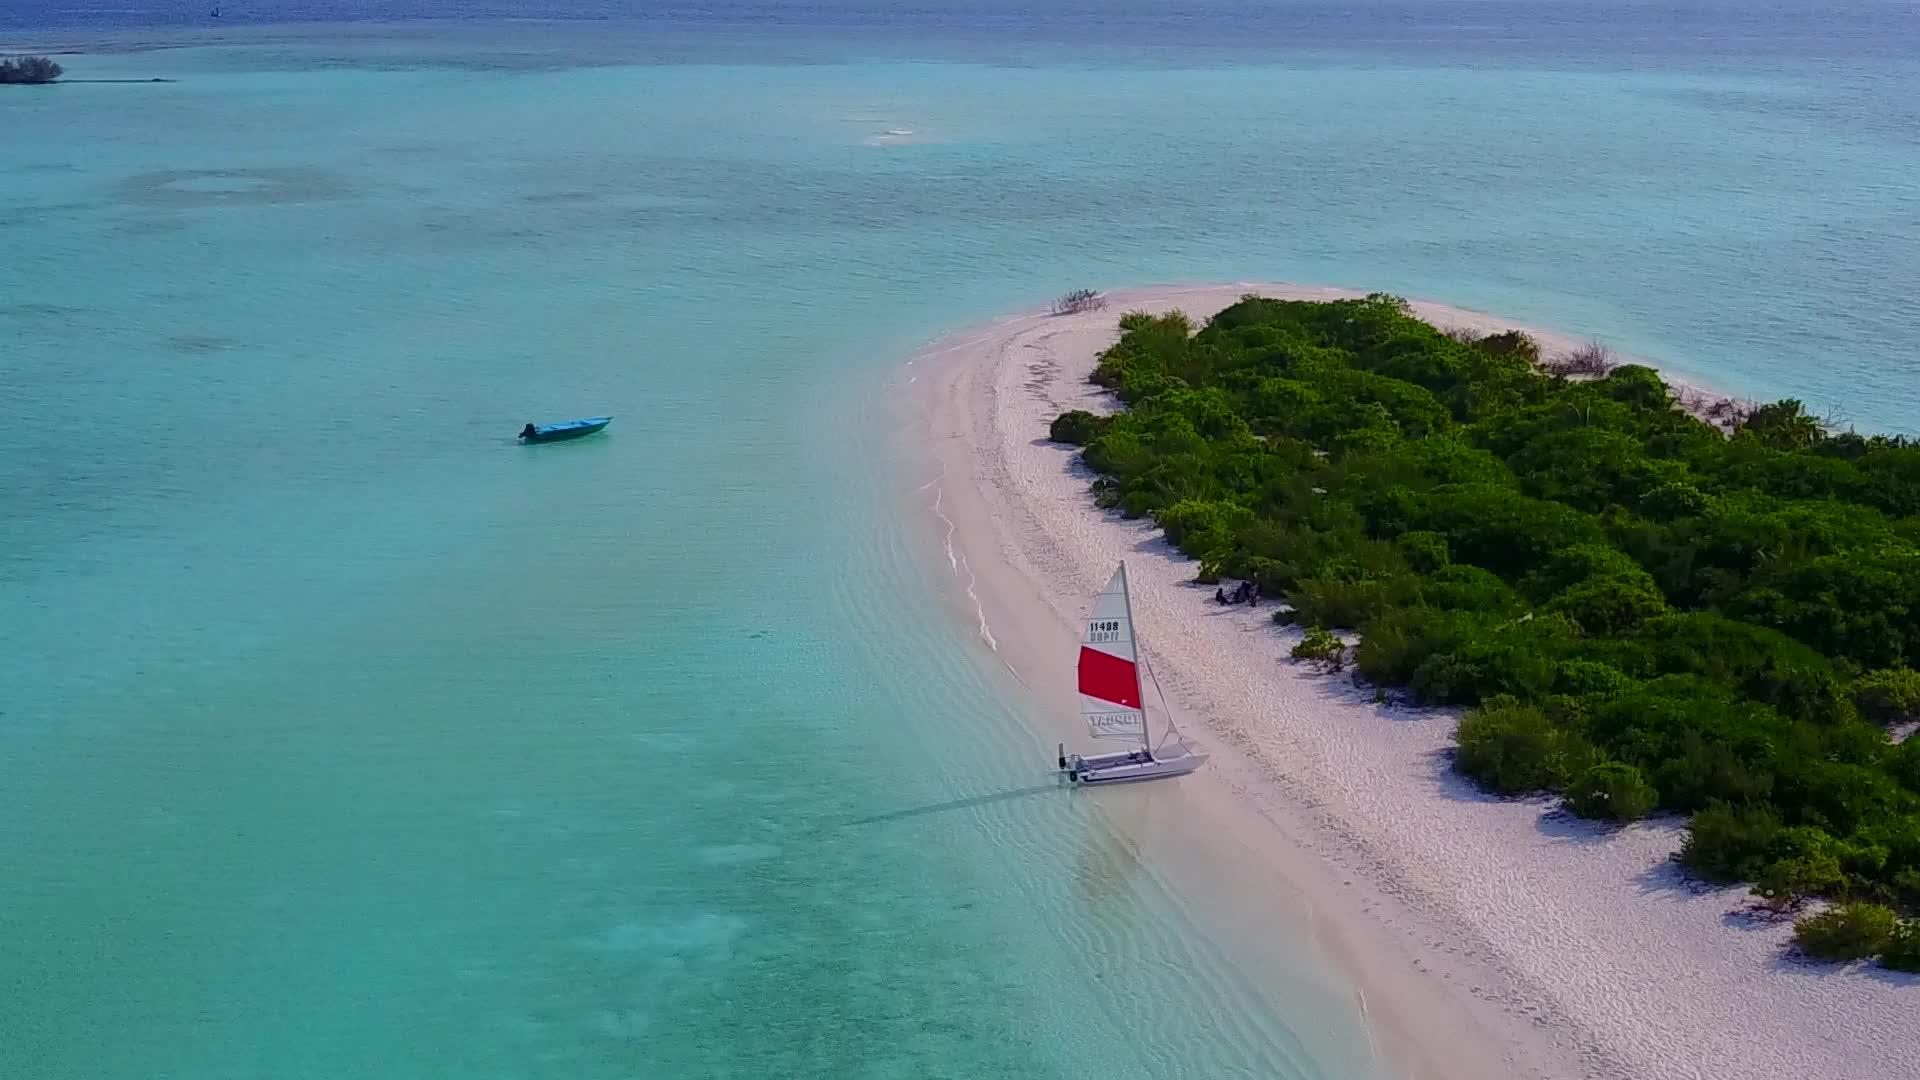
1109,678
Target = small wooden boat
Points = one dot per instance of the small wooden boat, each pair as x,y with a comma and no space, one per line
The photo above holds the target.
566,429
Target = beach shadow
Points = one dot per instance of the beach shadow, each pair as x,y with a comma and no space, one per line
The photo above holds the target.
1457,787
1157,544
1670,879
1219,610
1903,979
1449,782
955,804
1564,826
1076,463
1348,688
1792,962
1754,916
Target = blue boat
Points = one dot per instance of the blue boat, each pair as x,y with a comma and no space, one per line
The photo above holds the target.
566,429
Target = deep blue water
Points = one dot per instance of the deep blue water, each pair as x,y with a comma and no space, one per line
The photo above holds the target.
1499,31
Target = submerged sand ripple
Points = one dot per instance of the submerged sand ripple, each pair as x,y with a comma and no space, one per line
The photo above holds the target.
174,188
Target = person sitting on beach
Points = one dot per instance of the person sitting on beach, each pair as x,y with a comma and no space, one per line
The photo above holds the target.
1220,595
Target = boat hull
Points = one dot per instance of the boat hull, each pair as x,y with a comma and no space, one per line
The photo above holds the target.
1131,767
563,432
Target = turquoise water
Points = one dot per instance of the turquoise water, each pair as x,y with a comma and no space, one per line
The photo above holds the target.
345,737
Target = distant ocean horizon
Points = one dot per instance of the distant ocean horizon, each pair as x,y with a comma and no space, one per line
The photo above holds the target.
1691,36
345,736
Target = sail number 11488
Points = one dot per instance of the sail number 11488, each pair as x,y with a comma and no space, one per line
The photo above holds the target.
1103,630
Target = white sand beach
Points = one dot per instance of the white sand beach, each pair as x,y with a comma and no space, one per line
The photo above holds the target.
1489,938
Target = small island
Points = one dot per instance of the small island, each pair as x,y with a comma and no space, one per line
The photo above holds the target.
28,70
1649,602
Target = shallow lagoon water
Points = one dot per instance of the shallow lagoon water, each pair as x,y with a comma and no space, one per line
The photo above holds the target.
344,736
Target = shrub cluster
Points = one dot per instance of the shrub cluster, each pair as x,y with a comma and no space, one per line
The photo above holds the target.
1641,611
1077,301
28,70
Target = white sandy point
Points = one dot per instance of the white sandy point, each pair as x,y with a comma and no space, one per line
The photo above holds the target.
1486,938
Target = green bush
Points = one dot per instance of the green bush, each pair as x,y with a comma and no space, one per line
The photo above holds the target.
1078,427
1783,425
1591,679
1902,951
1905,888
1612,791
1837,796
1764,664
1686,616
1578,563
1500,530
1856,605
1469,588
1512,749
1889,695
1604,606
1398,642
1425,551
1202,528
1349,603
1478,670
1728,843
1704,770
1323,649
1902,763
1785,882
1675,500
1847,932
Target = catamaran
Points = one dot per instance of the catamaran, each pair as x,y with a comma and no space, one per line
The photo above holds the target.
1114,703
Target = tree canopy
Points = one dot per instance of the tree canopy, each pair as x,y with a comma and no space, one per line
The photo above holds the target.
1643,612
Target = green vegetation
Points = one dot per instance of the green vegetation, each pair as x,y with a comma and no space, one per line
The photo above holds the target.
1903,952
1728,842
1515,749
1889,696
1323,649
1641,611
1847,932
1611,790
28,70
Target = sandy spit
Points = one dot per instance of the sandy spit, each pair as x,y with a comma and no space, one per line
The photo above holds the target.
1484,937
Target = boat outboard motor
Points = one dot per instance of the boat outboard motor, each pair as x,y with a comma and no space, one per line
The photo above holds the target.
527,432
1063,755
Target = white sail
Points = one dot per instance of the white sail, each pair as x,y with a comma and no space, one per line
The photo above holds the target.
1110,695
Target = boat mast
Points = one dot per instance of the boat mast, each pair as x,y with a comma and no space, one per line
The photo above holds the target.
1133,630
